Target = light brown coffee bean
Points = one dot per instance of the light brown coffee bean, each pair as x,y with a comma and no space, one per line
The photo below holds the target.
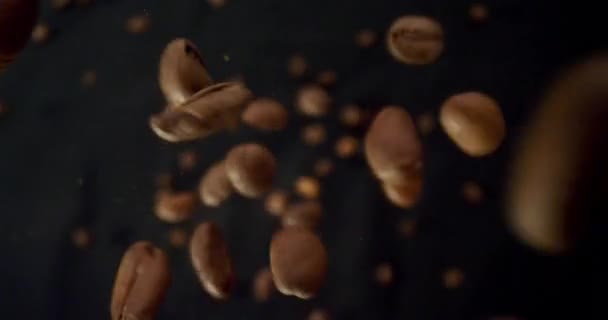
60,4
297,66
307,187
323,167
266,114
558,179
210,110
17,20
305,214
312,100
215,187
352,116
314,134
384,274
453,278
41,33
263,286
392,147
426,123
474,122
276,202
174,207
182,71
318,314
366,38
138,24
327,78
187,160
82,238
178,237
141,283
472,192
211,260
415,40
404,195
251,169
478,12
346,147
298,261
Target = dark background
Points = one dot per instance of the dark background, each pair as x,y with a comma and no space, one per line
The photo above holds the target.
73,156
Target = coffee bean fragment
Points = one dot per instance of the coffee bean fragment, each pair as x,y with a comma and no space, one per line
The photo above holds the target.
415,40
251,169
174,207
266,114
215,187
312,100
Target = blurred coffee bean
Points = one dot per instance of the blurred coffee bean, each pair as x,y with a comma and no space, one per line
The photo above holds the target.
305,214
327,78
407,227
346,147
178,237
453,278
404,195
251,169
60,4
217,3
384,274
472,192
266,114
187,160
297,66
415,40
163,181
312,100
478,12
89,78
352,116
138,24
366,38
182,71
141,283
298,261
215,187
323,167
318,314
276,202
426,123
211,260
314,134
17,19
82,238
474,122
263,286
307,187
174,207
392,147
41,33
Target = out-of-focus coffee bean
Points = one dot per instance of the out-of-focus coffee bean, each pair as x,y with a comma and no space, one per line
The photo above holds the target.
266,114
474,122
305,214
17,20
263,285
212,261
89,78
318,314
404,195
217,3
138,24
407,228
298,261
384,274
558,180
426,123
415,40
366,38
478,13
174,207
215,187
217,107
178,237
312,100
41,33
297,66
323,167
307,187
182,71
251,169
346,147
60,4
276,202
327,78
141,283
392,147
82,238
187,160
352,116
453,278
314,134
472,192
163,181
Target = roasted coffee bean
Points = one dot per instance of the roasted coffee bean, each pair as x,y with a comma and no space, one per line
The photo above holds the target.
453,278
174,207
82,238
17,20
163,181
346,147
60,4
478,13
263,286
384,274
211,260
318,314
312,100
141,283
327,78
41,33
251,169
304,214
217,3
323,167
426,123
297,66
215,187
138,24
307,187
266,114
472,192
404,195
182,71
276,202
415,40
298,261
186,161
366,38
314,134
352,116
474,122
178,237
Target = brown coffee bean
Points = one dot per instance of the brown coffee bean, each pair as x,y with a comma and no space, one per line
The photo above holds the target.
407,228
327,78
384,274
141,283
178,237
404,195
298,261
318,314
453,278
60,4
366,38
210,110
263,286
307,187
41,33
352,116
266,114
392,147
297,66
251,169
17,20
82,238
312,100
138,24
472,192
426,123
415,40
217,3
314,134
89,78
478,12
187,160
346,147
305,214
182,71
323,167
211,260
174,207
276,202
215,187
474,122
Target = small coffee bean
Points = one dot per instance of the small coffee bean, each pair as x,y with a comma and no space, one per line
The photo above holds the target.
415,40
426,123
174,207
215,187
17,20
82,238
307,187
352,116
404,195
346,147
297,66
60,4
384,274
138,24
318,314
327,78
314,134
251,169
178,237
266,114
163,181
41,33
89,78
366,38
453,278
276,202
263,286
478,13
187,160
472,192
211,260
217,3
304,214
312,100
323,167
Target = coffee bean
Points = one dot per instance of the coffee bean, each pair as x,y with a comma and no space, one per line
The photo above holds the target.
186,160
60,4
217,3
453,278
215,187
327,78
478,12
297,66
41,33
276,202
17,20
305,214
298,261
211,261
323,167
174,207
163,181
82,238
366,38
346,147
251,169
138,24
182,71
314,134
472,192
307,187
404,195
178,237
384,274
263,286
474,122
426,123
415,40
141,283
312,100
266,114
318,314
352,116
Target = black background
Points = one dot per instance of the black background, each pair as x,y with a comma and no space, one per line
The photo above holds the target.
72,156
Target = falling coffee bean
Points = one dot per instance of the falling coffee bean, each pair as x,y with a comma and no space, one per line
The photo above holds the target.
211,261
141,283
276,202
174,207
346,147
415,40
352,116
305,214
17,20
478,13
215,187
474,122
186,161
404,195
217,3
60,4
366,38
297,66
178,237
307,187
472,192
82,238
314,134
453,278
312,100
384,274
327,78
323,167
318,314
407,228
89,78
251,169
298,261
163,181
138,24
426,123
263,286
266,114
41,33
